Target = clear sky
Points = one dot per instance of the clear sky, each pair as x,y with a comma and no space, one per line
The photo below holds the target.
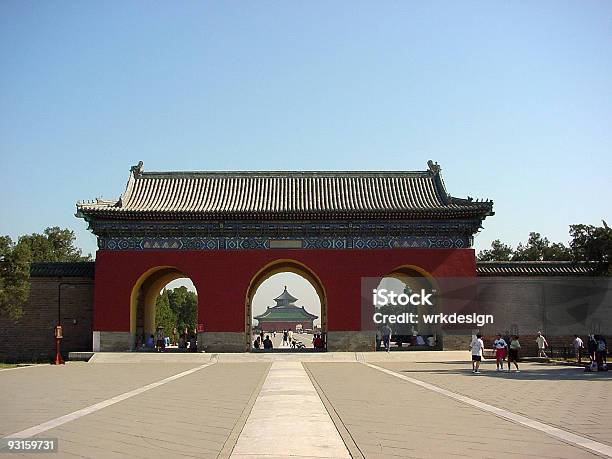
513,99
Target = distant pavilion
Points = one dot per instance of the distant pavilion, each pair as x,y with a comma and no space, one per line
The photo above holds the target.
286,315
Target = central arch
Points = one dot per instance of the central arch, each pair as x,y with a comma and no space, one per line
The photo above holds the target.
143,299
277,267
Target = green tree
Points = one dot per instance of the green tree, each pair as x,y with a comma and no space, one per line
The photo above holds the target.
593,243
539,248
55,244
498,252
164,315
177,308
184,303
14,277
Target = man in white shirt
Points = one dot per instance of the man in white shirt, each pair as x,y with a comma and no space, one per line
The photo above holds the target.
477,347
542,344
578,346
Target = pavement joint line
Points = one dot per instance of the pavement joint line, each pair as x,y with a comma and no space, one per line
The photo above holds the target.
230,441
53,423
21,367
560,434
345,434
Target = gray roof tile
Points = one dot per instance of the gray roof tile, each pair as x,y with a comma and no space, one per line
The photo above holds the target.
290,195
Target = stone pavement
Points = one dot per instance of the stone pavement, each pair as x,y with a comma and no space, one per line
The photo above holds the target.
288,407
387,417
216,405
193,416
562,396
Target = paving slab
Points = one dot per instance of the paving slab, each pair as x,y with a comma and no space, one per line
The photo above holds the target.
289,420
284,355
387,417
191,417
37,394
562,396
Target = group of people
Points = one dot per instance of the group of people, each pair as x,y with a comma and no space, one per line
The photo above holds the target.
502,348
596,347
261,342
386,334
289,340
159,341
317,342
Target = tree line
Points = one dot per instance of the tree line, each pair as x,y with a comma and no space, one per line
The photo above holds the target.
588,243
54,244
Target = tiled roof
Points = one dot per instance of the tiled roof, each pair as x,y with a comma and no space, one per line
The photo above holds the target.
285,310
285,195
283,314
77,269
532,268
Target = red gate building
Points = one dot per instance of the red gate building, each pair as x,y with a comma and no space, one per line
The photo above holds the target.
230,231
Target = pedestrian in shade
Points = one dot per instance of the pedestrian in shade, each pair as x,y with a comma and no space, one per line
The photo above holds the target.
578,347
513,353
542,345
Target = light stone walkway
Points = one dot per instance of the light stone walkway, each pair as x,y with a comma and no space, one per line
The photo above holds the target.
289,419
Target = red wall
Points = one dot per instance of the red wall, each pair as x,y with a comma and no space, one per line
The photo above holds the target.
223,277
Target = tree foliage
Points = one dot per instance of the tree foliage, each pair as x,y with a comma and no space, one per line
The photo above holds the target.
14,277
539,248
55,244
593,243
498,252
589,243
177,308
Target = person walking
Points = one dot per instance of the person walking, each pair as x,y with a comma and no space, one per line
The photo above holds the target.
477,347
285,341
513,353
592,347
578,346
387,332
290,337
501,348
542,345
601,353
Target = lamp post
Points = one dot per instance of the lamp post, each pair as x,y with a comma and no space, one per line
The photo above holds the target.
58,328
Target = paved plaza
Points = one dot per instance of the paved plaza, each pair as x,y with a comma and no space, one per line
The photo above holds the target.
323,405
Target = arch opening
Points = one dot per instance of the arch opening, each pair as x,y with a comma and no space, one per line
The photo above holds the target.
409,279
164,306
285,309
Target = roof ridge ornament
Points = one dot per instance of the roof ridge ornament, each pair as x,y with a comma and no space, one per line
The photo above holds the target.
137,169
434,167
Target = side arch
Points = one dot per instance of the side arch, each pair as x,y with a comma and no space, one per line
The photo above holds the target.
144,295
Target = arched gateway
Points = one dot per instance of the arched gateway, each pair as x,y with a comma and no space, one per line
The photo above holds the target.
229,231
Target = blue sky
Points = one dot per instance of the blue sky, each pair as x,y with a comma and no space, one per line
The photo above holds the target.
513,99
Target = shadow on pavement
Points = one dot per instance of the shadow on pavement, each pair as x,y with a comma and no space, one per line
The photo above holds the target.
531,373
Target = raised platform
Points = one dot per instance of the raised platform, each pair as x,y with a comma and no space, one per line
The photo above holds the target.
202,357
